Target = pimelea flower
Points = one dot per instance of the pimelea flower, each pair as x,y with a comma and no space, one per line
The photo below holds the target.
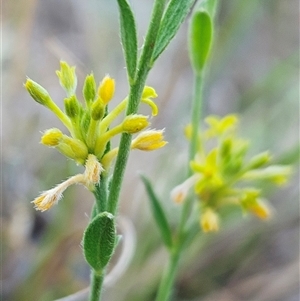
223,176
90,127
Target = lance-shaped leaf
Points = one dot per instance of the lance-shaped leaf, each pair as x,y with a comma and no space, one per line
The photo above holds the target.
200,39
99,241
128,37
158,214
174,15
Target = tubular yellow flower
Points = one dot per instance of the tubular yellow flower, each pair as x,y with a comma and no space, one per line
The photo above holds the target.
52,137
149,93
89,178
260,209
51,197
209,220
149,140
107,89
134,123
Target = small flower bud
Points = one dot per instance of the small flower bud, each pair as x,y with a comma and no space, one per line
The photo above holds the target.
72,106
89,89
52,137
73,148
98,109
149,140
260,209
107,89
209,220
188,131
38,93
251,202
67,78
259,160
134,123
278,174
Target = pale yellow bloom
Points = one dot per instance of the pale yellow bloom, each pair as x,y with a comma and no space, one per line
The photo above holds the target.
51,197
260,209
180,192
149,140
89,178
209,220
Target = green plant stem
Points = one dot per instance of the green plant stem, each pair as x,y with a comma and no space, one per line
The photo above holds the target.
100,193
136,89
168,279
96,286
196,115
170,272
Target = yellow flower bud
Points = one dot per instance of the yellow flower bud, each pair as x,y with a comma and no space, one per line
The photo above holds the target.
73,148
67,78
188,131
98,109
38,93
260,209
134,123
72,106
259,160
89,89
52,137
107,89
149,140
209,220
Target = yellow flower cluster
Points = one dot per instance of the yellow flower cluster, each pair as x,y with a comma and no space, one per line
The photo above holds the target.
90,124
222,176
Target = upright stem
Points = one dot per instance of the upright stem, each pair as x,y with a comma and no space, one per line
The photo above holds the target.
100,193
196,115
96,286
136,90
168,279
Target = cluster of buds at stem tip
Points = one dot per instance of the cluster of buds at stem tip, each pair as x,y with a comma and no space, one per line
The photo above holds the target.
220,169
90,124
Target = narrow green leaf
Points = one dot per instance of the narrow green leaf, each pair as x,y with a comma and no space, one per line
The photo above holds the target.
174,16
200,39
99,241
128,37
158,214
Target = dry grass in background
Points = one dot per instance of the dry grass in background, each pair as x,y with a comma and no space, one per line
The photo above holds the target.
254,72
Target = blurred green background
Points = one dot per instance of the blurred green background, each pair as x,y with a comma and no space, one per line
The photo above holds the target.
254,72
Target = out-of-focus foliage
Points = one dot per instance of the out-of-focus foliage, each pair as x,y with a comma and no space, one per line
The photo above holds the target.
253,72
